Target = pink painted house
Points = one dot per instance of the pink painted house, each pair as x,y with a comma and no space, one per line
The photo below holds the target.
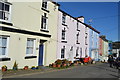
73,37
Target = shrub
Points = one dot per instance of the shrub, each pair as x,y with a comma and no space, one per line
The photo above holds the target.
58,62
65,61
15,66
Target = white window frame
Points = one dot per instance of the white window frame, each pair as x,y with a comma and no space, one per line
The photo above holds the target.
8,12
44,26
6,51
34,47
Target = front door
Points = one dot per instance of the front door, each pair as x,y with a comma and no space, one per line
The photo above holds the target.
41,50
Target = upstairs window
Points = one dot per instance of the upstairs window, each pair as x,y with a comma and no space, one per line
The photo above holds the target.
78,29
44,4
86,30
77,41
44,22
63,19
63,34
86,40
63,52
4,11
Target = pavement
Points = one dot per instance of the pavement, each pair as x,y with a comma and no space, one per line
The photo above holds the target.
100,70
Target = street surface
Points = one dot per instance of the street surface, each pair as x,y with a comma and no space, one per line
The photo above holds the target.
100,70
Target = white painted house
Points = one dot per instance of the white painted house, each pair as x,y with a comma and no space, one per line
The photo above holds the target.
73,37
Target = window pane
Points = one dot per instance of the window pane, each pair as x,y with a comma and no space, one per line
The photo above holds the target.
1,15
1,6
0,42
0,51
30,43
44,5
7,7
44,20
6,15
4,42
3,51
29,51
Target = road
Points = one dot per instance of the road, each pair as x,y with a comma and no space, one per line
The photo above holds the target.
99,70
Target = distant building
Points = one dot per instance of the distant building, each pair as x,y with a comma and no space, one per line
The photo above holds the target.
94,44
103,49
110,47
116,48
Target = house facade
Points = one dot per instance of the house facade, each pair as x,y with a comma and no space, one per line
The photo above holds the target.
27,33
73,37
94,44
110,47
104,48
100,48
116,48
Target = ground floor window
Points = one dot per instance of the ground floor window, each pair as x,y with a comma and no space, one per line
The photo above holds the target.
30,49
63,52
77,51
3,46
80,52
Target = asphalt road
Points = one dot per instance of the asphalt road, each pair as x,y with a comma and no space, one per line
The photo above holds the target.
89,71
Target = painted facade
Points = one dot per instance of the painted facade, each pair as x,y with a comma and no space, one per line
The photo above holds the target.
100,48
28,33
94,44
104,48
73,37
116,48
38,33
110,47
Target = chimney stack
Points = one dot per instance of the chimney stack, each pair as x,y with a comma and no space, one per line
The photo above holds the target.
81,18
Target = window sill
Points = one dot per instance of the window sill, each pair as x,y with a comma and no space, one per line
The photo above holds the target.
44,30
64,41
77,43
78,30
64,24
30,57
45,10
5,59
6,23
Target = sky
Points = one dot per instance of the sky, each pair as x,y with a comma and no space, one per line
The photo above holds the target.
104,15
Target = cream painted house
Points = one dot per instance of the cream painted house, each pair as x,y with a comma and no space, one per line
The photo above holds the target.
28,33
